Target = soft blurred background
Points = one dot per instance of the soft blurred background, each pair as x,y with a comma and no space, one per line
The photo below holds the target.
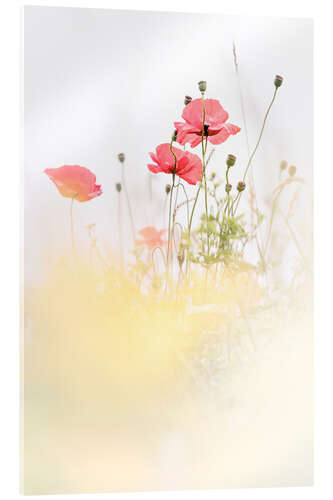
100,82
123,391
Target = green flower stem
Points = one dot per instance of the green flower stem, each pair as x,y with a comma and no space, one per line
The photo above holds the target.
120,229
170,230
258,142
150,189
227,205
193,208
128,200
72,228
189,229
153,255
187,205
204,149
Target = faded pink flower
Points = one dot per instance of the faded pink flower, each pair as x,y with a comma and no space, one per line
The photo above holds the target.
152,237
74,181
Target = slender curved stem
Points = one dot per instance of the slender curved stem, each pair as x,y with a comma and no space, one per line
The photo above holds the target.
153,255
72,228
150,189
120,229
258,142
193,208
169,225
170,230
128,200
187,207
227,205
204,149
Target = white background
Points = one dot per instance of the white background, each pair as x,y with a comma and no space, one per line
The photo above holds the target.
323,241
99,82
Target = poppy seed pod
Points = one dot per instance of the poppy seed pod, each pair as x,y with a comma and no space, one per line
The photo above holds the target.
228,188
174,135
278,81
187,100
231,160
180,258
167,188
202,85
241,186
118,187
283,165
121,157
292,170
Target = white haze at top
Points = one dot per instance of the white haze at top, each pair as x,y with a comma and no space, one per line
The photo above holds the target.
100,82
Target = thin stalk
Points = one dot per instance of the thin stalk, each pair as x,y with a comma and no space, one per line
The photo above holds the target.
128,200
294,237
251,183
150,189
120,229
203,150
72,229
258,142
273,211
170,230
169,225
153,255
227,205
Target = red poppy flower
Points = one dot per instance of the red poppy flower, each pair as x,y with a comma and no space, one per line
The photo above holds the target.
74,181
189,166
152,237
215,126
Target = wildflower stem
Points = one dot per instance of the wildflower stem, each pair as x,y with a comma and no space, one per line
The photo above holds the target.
169,226
120,231
127,200
258,142
150,189
252,188
153,256
192,212
187,207
203,148
170,230
72,228
227,205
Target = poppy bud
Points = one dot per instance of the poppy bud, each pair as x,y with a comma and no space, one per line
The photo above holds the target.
187,100
180,257
167,188
174,135
283,165
118,187
292,170
231,160
241,186
202,85
121,157
228,188
278,81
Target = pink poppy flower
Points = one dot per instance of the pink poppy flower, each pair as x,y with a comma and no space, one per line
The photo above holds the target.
215,127
152,237
189,166
74,181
